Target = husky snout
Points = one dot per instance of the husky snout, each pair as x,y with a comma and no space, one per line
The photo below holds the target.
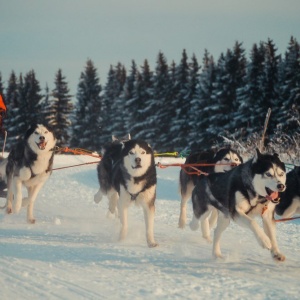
138,160
280,187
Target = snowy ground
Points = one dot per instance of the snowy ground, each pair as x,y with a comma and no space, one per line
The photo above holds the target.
72,251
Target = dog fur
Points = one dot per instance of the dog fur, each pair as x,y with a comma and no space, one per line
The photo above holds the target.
289,202
221,161
240,195
28,164
127,174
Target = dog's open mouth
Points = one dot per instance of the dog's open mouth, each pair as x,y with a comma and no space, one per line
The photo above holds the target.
136,167
271,195
42,145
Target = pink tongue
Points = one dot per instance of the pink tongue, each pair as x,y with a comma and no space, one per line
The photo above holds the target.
273,196
42,145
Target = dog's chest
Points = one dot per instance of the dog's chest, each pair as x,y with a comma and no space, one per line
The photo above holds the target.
40,165
37,169
134,187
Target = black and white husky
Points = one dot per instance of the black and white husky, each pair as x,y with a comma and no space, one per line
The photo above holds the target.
221,161
240,194
127,174
28,164
289,202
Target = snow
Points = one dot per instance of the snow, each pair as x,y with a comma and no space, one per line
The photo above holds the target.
72,252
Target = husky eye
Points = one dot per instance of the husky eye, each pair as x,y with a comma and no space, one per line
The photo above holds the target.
236,159
143,152
131,152
46,132
226,159
268,174
281,174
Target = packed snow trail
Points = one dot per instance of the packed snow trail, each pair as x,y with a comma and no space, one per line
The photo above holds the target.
72,252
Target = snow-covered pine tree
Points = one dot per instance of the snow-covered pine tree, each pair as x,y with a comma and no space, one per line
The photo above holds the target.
180,128
155,106
12,105
142,93
270,87
289,112
202,105
117,127
30,102
129,100
60,109
249,96
86,128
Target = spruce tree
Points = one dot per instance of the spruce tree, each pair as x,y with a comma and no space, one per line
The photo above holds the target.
60,109
30,102
86,126
142,92
157,124
118,103
203,105
250,96
12,105
289,112
180,126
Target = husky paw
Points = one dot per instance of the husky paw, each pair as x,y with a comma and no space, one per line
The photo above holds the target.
9,210
277,256
218,256
31,221
208,239
152,244
181,224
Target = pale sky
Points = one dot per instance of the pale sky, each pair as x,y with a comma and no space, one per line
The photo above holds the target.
45,35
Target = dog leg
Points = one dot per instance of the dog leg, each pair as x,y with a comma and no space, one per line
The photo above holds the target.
17,192
213,218
9,198
222,224
113,198
32,194
149,212
270,230
185,196
244,220
98,196
123,211
205,227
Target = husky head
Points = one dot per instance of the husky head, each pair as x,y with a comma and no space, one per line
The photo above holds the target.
226,159
137,157
269,175
40,138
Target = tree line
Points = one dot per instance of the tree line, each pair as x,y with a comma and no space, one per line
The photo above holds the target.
174,107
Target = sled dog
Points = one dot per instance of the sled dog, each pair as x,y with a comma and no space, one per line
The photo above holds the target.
289,202
127,174
240,194
221,161
28,164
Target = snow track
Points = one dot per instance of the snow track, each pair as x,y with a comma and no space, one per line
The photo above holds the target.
72,251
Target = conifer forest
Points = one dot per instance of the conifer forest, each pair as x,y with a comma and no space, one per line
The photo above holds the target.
174,107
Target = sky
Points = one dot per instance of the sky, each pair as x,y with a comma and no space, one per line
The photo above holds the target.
47,35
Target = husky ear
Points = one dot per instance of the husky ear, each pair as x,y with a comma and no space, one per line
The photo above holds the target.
256,155
276,155
114,138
